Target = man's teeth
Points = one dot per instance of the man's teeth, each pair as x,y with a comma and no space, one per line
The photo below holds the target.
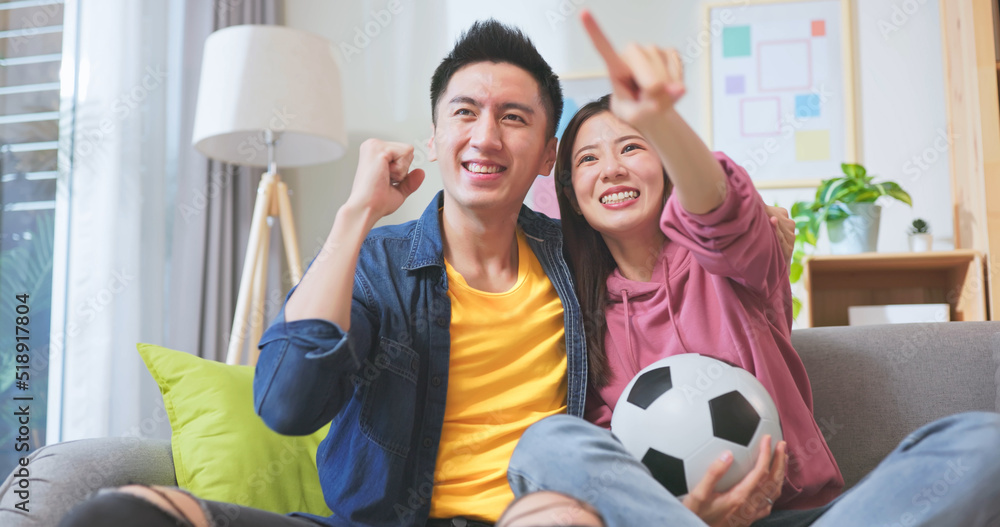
619,197
483,169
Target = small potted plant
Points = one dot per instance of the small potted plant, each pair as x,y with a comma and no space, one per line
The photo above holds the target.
846,205
921,238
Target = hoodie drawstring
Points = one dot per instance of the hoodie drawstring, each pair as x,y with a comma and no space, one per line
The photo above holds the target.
670,308
633,359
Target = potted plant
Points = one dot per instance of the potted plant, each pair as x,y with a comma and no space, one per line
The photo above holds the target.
921,238
846,204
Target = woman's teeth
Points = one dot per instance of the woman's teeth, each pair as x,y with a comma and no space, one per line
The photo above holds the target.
619,197
483,169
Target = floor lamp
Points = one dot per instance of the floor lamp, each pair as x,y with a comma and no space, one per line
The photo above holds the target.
268,96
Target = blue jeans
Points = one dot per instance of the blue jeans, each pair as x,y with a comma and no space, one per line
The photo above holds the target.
945,473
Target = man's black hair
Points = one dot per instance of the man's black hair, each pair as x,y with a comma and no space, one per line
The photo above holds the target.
491,41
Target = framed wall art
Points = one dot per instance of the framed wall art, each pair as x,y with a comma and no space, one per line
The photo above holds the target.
781,81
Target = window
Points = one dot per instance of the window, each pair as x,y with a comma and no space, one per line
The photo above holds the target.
31,39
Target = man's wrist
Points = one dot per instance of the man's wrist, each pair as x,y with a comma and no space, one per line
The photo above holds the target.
355,214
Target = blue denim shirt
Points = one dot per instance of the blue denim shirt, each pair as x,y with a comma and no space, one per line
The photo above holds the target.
385,382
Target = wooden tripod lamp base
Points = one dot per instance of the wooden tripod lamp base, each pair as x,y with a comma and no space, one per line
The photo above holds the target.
248,72
272,204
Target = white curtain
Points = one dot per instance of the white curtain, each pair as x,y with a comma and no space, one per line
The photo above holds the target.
112,259
123,252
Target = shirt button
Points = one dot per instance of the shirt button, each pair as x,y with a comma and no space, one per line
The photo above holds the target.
435,381
427,442
441,321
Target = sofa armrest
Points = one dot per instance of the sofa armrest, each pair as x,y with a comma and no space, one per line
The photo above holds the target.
873,385
64,474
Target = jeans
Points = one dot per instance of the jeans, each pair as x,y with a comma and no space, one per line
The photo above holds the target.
119,509
945,473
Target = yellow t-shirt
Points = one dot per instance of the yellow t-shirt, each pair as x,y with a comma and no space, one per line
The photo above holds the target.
507,371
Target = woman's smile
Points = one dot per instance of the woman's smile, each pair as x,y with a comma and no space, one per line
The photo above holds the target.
619,197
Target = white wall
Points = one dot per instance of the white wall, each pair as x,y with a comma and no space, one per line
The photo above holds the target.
386,87
905,114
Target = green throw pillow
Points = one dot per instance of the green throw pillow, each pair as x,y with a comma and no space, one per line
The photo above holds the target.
222,450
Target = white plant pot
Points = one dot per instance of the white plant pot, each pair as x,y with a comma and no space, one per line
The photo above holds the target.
921,242
858,233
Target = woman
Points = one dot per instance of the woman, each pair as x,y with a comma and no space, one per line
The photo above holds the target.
680,258
666,280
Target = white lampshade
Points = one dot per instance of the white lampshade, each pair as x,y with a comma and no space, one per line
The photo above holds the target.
255,78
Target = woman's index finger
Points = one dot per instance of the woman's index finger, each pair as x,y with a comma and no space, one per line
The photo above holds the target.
616,66
597,37
603,45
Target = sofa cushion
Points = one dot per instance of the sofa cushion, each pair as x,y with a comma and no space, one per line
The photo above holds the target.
65,474
222,450
873,385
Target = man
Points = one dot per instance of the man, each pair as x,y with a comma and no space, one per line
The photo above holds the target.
434,344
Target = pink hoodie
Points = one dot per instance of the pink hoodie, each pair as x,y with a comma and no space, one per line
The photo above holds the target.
728,289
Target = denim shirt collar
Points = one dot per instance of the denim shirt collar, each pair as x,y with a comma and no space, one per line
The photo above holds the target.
427,248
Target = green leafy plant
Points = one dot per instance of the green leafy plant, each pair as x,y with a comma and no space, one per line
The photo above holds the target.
831,205
26,269
919,226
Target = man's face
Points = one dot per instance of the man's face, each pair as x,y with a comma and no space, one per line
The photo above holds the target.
490,139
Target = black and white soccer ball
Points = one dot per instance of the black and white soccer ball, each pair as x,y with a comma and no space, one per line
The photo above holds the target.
681,413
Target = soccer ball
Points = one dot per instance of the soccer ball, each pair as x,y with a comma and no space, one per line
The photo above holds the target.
681,413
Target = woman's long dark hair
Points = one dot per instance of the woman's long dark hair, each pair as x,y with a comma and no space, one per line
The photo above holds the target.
589,259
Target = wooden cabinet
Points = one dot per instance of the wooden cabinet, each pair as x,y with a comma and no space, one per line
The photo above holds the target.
834,282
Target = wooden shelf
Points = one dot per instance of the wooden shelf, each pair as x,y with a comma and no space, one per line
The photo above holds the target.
835,282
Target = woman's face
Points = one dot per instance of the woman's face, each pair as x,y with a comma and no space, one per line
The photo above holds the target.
617,178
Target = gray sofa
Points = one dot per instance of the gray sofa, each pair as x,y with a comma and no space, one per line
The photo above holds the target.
871,385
